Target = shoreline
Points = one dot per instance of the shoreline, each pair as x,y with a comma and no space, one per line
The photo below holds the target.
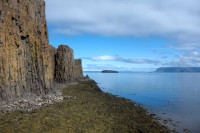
85,108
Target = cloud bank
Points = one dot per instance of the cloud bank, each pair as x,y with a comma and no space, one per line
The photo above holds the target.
123,60
190,59
99,67
176,20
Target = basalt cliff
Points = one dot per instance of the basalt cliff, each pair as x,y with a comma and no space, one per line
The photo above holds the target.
28,64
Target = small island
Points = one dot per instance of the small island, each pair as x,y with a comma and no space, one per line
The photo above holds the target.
109,71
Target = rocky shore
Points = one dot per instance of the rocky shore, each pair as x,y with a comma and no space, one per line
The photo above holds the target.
81,107
31,102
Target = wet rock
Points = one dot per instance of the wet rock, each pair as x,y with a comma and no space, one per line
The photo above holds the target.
186,130
153,115
165,121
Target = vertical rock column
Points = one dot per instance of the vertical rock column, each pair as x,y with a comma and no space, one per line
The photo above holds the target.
64,71
23,42
28,64
49,64
78,71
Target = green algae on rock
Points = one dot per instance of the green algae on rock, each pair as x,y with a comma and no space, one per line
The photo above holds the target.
86,109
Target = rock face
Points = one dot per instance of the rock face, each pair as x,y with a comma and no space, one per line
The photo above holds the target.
49,66
24,39
78,71
64,65
28,64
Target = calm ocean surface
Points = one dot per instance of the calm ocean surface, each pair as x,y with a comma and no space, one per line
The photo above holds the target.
173,96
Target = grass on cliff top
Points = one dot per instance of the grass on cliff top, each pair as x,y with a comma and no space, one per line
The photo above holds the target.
85,109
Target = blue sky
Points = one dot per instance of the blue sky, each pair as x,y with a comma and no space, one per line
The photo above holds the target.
128,35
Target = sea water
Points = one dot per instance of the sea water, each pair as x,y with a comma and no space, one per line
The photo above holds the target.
174,97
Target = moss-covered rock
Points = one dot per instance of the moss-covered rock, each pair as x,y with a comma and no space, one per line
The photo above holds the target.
84,109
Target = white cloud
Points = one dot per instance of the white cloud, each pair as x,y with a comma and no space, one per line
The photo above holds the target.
126,17
100,67
177,20
124,60
104,58
191,58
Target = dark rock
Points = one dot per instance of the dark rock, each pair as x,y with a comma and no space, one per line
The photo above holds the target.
64,65
87,77
165,121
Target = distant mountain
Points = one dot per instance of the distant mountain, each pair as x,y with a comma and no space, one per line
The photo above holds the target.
109,71
177,69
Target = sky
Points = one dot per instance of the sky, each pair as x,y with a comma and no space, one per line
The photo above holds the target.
127,35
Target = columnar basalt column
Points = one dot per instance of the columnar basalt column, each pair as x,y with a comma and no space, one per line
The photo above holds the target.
64,65
78,71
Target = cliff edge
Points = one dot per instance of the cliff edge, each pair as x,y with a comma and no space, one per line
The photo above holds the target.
28,64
